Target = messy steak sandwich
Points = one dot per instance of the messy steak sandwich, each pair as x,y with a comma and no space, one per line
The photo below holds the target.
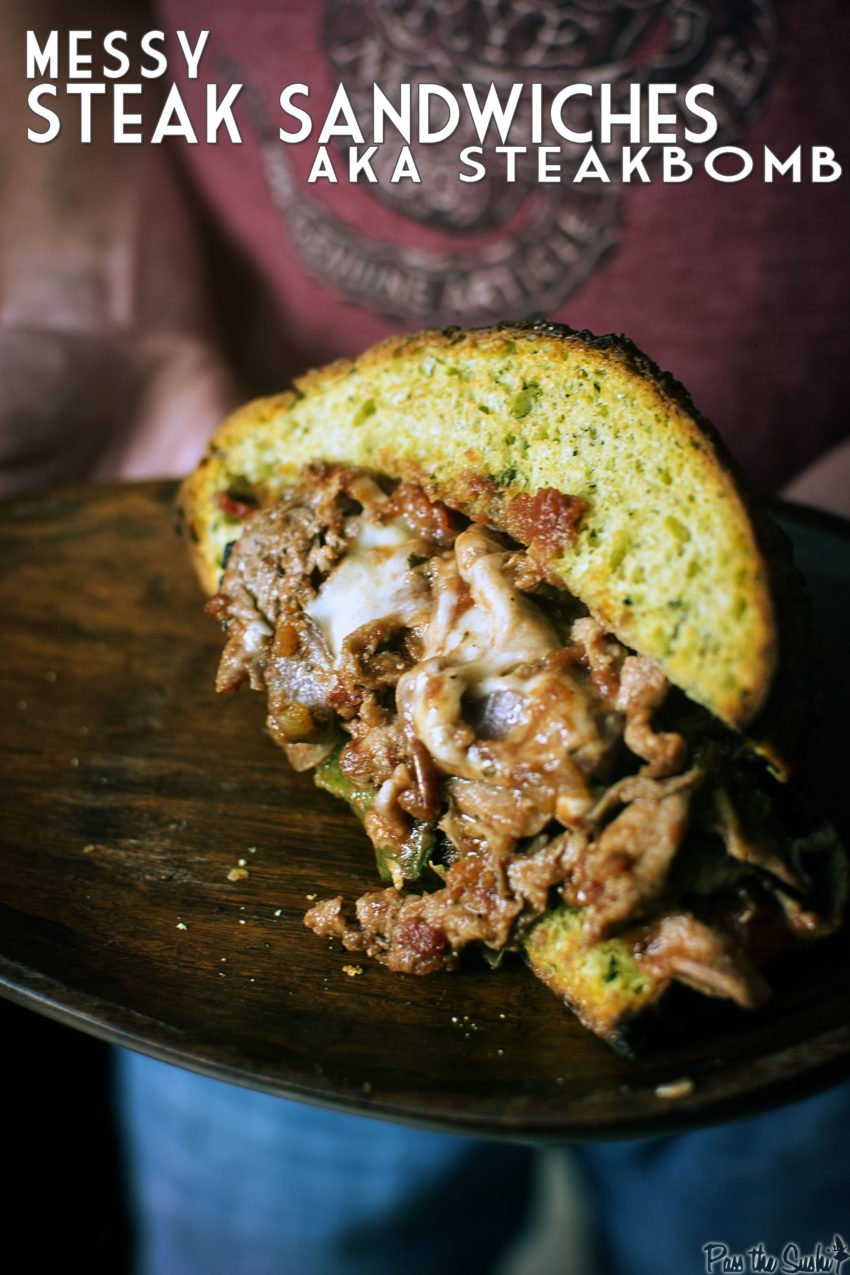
507,596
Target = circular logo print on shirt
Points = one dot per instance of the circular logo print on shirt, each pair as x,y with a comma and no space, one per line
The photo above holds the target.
512,247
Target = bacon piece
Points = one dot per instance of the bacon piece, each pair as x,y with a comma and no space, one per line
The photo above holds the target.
546,521
238,507
430,517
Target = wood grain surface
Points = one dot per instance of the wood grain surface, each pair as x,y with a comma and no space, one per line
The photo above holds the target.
129,791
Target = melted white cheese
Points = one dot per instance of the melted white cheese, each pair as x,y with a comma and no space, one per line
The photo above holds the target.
483,638
490,642
501,628
372,581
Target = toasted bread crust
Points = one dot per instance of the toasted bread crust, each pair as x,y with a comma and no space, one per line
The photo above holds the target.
673,553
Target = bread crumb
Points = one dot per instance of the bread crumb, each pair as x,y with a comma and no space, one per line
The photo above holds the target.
311,898
181,925
682,1088
88,849
278,912
353,971
243,863
237,874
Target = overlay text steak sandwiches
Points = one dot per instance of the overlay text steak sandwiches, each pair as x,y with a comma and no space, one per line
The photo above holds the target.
507,596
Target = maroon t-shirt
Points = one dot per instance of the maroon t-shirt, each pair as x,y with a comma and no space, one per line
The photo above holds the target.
739,289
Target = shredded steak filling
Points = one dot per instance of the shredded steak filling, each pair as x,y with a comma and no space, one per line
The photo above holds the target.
494,735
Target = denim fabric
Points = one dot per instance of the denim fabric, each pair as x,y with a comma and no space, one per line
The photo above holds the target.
225,1181
774,1179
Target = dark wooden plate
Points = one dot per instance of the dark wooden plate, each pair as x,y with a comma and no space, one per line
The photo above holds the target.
129,792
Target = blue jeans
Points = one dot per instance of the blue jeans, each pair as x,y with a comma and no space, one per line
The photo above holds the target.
773,1179
225,1181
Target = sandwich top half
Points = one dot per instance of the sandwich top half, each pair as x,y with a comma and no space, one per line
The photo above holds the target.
581,451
